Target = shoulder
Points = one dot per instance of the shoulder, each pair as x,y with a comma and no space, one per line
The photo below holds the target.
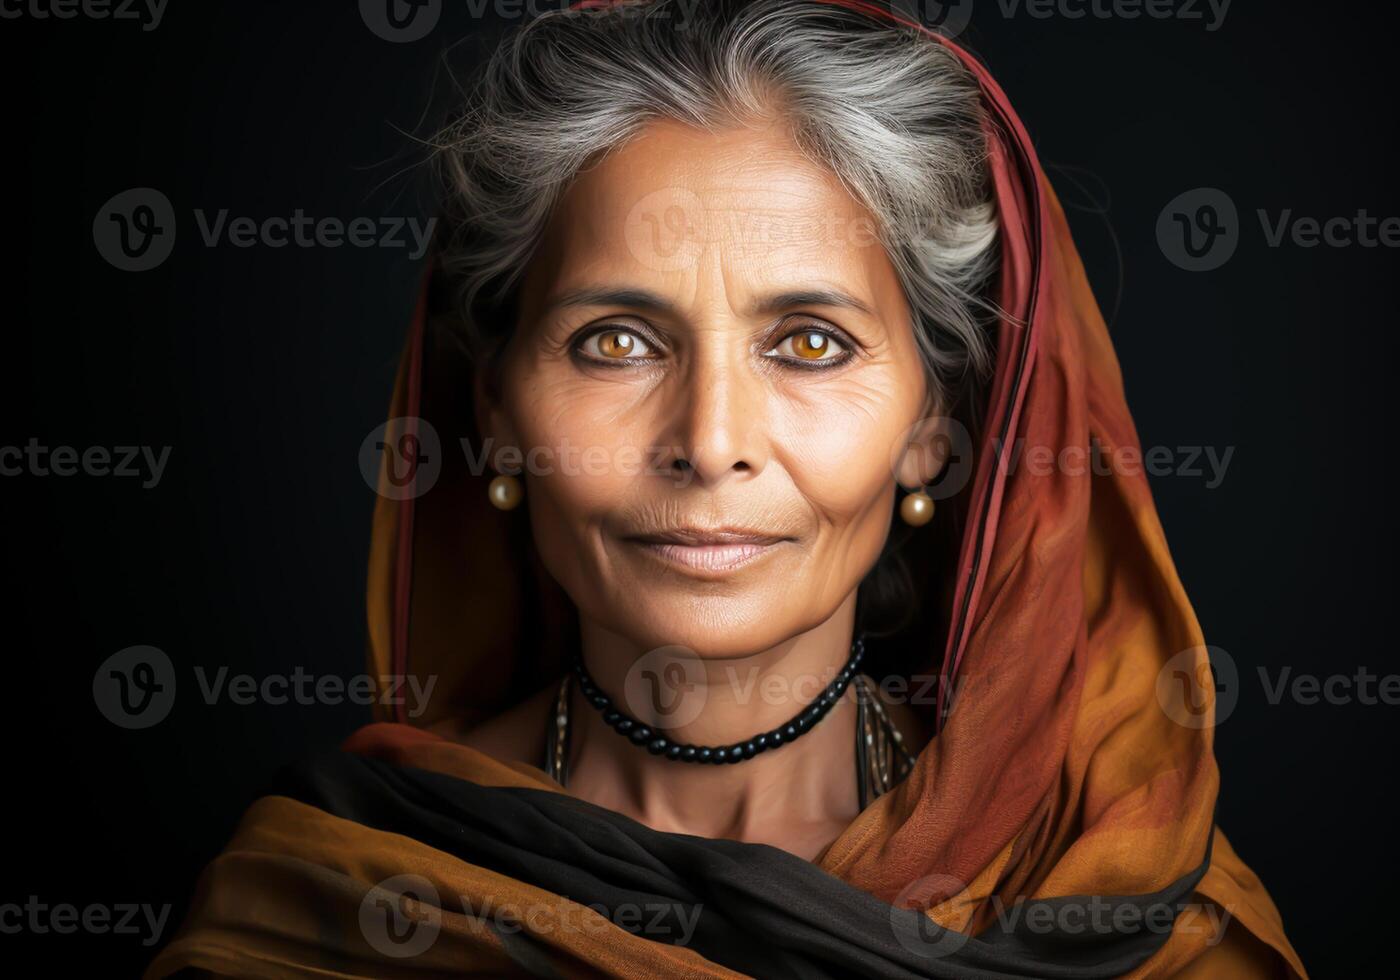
514,735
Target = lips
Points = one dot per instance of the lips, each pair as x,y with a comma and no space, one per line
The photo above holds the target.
709,550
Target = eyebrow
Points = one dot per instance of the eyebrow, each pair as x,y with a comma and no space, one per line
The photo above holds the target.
645,299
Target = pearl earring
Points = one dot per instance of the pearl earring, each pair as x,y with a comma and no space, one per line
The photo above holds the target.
505,492
916,508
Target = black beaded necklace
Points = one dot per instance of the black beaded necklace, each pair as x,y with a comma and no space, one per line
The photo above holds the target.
657,744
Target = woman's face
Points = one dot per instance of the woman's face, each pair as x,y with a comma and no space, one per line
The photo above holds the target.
713,381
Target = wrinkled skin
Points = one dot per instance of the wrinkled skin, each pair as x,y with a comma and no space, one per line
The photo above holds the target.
711,397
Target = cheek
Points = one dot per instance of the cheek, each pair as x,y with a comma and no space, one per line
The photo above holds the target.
571,480
838,447
585,443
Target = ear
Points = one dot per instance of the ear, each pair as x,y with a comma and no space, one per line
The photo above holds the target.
926,448
492,420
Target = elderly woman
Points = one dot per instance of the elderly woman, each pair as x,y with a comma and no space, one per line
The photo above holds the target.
732,295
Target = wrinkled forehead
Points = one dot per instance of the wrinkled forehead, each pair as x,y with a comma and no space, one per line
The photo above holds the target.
676,199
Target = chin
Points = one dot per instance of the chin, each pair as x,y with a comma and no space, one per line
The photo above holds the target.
712,626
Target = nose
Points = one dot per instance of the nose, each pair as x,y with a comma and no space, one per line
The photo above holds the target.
719,420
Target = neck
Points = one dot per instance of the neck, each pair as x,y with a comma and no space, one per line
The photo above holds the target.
797,796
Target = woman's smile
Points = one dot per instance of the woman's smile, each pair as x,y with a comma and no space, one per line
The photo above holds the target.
708,552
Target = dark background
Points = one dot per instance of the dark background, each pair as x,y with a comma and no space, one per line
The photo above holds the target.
265,368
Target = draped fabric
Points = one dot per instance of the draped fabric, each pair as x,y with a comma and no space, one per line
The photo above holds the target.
1072,769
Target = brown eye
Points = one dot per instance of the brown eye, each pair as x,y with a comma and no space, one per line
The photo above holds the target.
809,346
615,345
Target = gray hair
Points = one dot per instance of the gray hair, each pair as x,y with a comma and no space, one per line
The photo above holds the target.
891,113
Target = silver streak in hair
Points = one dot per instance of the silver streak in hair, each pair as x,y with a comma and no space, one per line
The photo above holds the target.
891,113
